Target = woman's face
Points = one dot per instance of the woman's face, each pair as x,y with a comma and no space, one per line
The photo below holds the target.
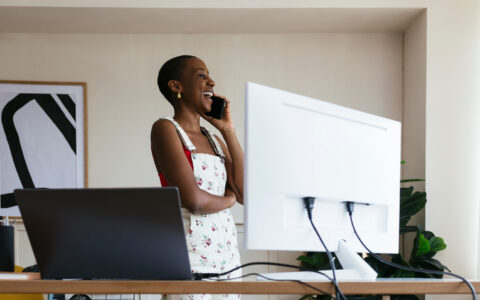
197,85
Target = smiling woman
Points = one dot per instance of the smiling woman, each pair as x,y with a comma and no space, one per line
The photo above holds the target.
208,172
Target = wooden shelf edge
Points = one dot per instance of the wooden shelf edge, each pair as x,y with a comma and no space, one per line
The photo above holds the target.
182,287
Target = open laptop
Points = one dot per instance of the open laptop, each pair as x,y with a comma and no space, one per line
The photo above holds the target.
114,233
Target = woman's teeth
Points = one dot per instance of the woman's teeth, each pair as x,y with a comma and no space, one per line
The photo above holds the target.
208,94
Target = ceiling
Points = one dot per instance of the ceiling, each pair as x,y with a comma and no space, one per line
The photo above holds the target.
30,19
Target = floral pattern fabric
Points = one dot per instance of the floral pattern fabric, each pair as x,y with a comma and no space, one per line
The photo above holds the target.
211,238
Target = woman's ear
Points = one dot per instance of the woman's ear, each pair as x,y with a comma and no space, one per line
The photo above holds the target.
175,86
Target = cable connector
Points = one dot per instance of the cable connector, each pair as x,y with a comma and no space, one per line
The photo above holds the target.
309,201
350,207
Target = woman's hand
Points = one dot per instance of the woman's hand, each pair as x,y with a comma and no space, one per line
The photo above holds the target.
233,151
230,196
225,123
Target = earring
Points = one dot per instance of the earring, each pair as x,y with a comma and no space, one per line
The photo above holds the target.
179,96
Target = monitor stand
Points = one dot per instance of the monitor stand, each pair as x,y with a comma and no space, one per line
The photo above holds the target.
354,269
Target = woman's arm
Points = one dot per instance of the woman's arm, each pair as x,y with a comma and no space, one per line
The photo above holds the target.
233,162
233,151
171,161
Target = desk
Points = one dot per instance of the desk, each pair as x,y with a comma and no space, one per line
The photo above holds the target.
380,287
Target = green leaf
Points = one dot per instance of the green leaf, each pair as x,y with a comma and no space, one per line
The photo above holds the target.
423,245
413,204
410,204
398,259
433,263
403,274
382,269
414,247
437,244
406,192
304,258
403,222
402,162
406,229
316,261
427,234
411,180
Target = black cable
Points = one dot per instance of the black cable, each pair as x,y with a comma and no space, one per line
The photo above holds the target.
309,206
271,279
199,276
398,266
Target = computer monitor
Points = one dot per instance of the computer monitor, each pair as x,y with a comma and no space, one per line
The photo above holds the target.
297,147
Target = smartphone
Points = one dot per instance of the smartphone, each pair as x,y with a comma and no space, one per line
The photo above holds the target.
218,108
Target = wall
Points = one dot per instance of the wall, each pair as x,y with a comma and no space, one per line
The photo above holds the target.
362,71
413,123
453,132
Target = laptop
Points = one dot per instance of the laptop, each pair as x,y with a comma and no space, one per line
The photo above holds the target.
106,233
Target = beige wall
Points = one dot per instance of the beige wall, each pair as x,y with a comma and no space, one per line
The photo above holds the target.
453,132
413,123
362,71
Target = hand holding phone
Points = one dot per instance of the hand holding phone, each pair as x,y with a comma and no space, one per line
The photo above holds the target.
218,108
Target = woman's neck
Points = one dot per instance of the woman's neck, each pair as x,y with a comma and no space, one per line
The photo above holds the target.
188,120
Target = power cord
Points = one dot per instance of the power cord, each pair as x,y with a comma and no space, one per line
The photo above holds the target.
350,208
309,201
271,279
200,276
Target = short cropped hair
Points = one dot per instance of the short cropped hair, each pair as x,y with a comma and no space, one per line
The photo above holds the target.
171,70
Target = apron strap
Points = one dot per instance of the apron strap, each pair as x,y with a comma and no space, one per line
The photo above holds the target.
213,141
183,136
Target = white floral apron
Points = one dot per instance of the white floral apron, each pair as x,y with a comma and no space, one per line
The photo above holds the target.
211,238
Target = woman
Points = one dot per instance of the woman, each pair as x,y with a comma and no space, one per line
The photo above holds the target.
208,173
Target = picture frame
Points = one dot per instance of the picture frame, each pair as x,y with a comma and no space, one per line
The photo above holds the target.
43,137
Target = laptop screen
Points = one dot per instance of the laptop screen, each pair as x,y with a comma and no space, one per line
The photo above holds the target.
106,233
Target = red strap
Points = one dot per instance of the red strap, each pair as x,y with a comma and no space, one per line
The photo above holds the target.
188,153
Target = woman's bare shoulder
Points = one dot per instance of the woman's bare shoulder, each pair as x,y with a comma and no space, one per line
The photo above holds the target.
164,133
163,127
163,124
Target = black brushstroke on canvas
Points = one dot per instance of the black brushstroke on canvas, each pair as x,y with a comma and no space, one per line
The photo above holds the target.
68,103
53,111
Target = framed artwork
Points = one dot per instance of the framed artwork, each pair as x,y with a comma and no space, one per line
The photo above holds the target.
42,138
